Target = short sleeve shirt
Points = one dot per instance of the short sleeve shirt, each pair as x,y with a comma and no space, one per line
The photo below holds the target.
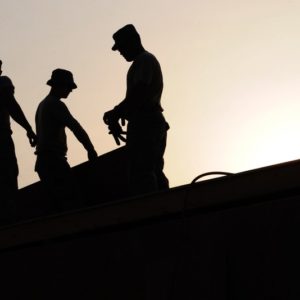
5,127
146,69
52,116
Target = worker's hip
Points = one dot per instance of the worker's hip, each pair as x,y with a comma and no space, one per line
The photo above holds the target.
49,164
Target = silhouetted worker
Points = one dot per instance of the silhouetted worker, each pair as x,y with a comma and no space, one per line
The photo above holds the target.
52,117
9,171
146,133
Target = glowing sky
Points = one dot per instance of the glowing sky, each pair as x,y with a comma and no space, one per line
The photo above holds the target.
231,71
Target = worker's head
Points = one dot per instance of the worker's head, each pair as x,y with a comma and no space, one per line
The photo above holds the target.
62,82
127,42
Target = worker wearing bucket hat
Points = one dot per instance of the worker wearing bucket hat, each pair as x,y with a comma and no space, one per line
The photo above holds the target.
52,117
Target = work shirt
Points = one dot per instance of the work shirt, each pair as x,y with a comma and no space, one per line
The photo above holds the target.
52,116
145,70
5,127
8,160
7,149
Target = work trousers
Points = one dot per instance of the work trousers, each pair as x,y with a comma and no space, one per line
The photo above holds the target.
146,144
56,177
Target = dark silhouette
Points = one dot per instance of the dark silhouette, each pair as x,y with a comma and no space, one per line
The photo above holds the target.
52,117
146,133
9,171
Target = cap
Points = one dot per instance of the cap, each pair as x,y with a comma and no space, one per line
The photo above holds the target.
128,32
63,78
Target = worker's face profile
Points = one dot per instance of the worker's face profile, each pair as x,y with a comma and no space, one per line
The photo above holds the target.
127,48
125,51
66,90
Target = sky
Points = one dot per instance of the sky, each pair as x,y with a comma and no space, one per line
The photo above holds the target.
231,76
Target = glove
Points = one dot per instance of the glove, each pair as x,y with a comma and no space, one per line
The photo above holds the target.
117,132
110,116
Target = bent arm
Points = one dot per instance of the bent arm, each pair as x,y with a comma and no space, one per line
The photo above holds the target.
144,84
135,98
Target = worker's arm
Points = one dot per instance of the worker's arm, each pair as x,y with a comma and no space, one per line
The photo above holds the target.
18,116
78,131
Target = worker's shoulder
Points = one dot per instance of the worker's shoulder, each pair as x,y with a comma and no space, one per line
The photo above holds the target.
52,104
146,59
146,55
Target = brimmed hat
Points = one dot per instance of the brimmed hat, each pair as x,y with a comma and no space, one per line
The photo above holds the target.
62,77
128,32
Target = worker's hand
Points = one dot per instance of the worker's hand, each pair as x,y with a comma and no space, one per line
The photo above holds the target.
117,132
110,117
92,155
32,138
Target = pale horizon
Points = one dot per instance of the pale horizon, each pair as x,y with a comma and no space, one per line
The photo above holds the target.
231,76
